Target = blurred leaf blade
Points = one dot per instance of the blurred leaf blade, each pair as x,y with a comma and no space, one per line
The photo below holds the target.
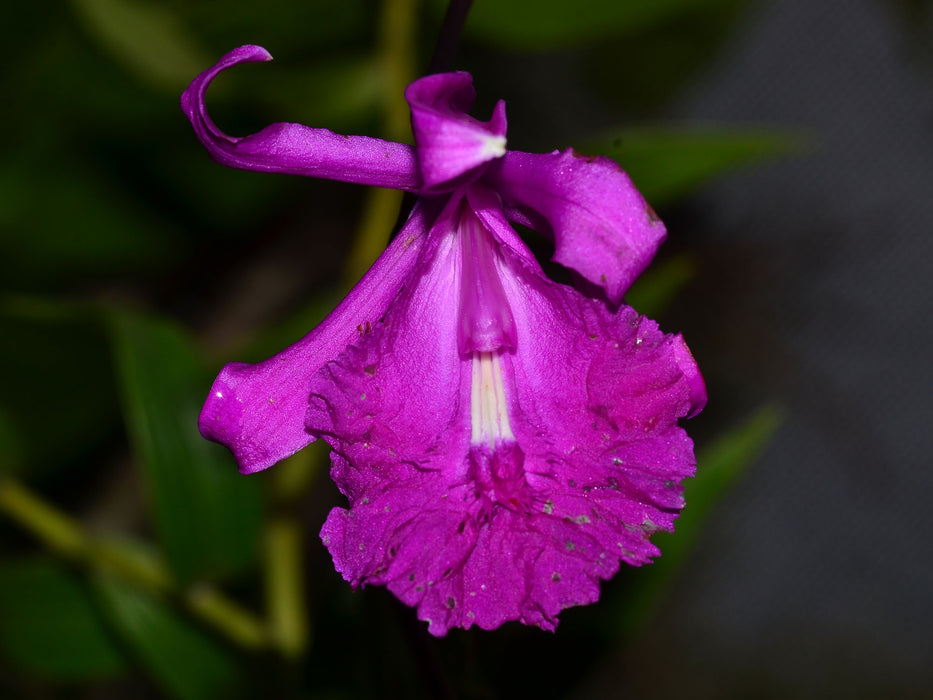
207,516
51,625
668,162
556,23
719,467
186,663
146,37
94,229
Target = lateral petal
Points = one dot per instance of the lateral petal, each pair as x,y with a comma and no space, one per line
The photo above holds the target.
600,224
296,149
258,410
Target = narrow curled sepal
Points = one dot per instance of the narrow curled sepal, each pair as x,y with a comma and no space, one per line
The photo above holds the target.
296,149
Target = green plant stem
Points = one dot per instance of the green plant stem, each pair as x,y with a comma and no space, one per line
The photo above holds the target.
284,550
396,62
64,536
55,530
220,612
288,615
448,39
397,59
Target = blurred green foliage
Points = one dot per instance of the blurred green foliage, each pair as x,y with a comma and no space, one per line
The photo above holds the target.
183,660
555,23
668,163
130,265
51,625
206,516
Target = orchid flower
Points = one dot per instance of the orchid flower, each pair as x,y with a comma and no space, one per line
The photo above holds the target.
504,441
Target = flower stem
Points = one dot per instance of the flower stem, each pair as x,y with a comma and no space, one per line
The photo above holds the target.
57,531
448,39
64,536
397,58
396,61
286,610
284,552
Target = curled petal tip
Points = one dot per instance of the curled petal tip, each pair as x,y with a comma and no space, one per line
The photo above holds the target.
239,415
251,52
293,148
192,99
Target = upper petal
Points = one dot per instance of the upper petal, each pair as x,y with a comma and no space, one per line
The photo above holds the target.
258,411
601,226
450,143
296,149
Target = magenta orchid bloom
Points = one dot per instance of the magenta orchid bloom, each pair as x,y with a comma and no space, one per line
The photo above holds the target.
503,440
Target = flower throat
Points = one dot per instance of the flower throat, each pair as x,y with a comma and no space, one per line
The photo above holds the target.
486,327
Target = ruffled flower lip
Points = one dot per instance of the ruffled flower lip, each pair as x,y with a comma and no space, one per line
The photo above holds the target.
504,442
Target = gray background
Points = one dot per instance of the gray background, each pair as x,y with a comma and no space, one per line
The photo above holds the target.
814,578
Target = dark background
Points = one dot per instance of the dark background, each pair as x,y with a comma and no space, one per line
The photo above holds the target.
815,577
807,293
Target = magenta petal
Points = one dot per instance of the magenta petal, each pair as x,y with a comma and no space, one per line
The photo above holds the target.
475,533
451,143
296,149
258,411
401,381
601,226
610,388
692,374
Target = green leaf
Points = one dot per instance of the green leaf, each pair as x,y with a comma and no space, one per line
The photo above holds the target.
206,515
719,468
556,23
186,663
668,162
146,38
51,626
